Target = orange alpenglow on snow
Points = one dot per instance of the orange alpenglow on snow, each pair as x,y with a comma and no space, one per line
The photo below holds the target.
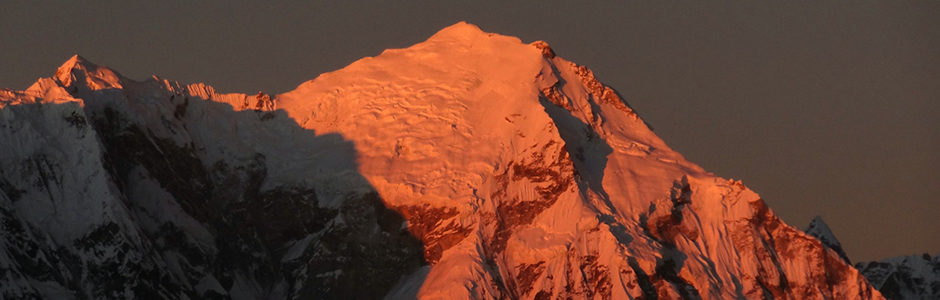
509,171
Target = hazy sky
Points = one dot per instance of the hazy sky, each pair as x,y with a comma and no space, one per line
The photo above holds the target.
822,108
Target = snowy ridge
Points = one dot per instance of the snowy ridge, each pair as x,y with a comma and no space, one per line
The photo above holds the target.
469,166
914,277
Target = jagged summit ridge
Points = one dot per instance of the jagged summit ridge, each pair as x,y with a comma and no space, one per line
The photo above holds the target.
468,166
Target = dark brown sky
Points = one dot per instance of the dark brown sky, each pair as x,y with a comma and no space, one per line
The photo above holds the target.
822,108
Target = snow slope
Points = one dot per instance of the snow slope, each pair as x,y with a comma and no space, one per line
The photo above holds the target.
469,166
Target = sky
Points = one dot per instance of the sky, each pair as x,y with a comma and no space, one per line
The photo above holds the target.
823,108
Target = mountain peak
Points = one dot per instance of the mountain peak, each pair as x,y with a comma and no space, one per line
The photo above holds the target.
469,166
466,34
81,70
818,221
461,28
76,60
821,231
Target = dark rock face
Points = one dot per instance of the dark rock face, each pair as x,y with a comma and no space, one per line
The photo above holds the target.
550,169
178,224
436,227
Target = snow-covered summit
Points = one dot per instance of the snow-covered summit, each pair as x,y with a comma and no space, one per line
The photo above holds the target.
468,166
85,73
76,61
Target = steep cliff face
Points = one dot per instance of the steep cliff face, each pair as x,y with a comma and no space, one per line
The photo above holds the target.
469,166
